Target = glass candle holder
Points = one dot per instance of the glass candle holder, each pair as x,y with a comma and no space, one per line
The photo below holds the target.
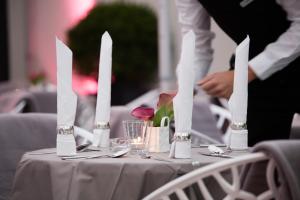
134,131
118,144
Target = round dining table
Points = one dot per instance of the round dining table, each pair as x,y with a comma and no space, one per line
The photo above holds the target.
42,175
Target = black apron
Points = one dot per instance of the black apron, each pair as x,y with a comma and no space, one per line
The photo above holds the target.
272,102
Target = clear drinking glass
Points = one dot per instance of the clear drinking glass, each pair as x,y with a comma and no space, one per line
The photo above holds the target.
118,144
134,131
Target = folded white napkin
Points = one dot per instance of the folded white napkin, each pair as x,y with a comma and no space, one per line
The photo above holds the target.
238,101
101,136
66,99
183,101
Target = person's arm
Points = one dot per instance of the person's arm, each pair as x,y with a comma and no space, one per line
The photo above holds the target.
275,57
192,16
220,84
285,49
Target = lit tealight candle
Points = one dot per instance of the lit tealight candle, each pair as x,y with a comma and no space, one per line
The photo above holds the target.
137,143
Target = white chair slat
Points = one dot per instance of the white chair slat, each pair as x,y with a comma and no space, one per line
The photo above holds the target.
181,194
232,191
206,194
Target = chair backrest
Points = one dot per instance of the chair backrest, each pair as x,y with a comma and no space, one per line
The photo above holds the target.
119,114
22,101
9,101
6,86
44,102
287,159
203,120
231,189
272,172
201,138
223,117
20,133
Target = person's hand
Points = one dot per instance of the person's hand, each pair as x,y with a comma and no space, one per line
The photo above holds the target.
219,84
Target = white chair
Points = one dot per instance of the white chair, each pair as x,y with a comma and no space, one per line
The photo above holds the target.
19,107
20,133
149,98
83,135
223,120
232,190
198,137
201,138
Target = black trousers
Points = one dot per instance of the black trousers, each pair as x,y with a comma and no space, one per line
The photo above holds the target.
272,104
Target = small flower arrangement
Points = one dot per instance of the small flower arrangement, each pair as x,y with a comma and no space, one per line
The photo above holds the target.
164,108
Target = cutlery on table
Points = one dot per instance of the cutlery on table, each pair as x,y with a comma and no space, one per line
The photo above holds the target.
216,155
216,152
116,154
206,145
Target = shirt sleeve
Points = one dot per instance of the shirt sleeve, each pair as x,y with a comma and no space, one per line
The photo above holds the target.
192,16
285,49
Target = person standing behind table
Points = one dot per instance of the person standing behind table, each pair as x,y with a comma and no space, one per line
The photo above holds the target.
274,63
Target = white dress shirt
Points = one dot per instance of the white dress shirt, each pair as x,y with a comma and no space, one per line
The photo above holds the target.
275,56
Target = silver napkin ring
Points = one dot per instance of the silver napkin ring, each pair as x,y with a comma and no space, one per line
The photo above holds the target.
182,137
238,126
65,130
102,125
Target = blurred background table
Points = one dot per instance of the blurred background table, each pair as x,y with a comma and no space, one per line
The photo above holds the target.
130,177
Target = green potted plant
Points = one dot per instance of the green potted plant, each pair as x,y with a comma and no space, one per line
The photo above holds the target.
133,29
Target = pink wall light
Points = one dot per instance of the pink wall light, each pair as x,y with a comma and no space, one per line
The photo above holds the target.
46,20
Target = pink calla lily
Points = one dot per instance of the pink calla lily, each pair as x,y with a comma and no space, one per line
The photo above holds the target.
143,113
165,99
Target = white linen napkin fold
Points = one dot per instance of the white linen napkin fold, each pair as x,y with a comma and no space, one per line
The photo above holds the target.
101,136
183,101
238,101
66,99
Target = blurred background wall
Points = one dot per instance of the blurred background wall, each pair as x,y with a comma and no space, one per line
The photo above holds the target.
47,19
33,25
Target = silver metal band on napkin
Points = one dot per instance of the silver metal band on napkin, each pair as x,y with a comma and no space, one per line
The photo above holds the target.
102,125
182,136
238,126
65,130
